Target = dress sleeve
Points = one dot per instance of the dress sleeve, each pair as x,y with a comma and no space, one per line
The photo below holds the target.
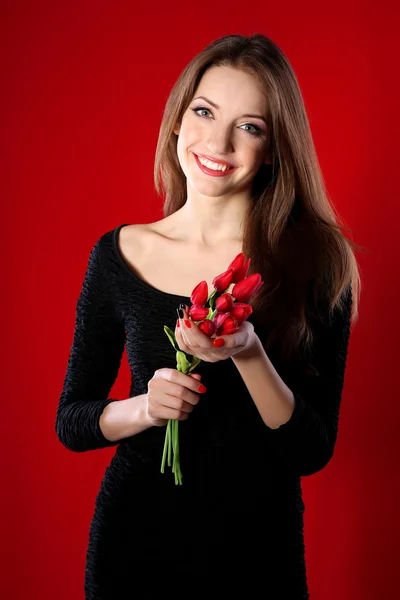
93,364
306,442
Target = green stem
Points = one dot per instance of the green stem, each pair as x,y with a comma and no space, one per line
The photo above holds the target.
178,459
175,439
173,443
166,447
169,428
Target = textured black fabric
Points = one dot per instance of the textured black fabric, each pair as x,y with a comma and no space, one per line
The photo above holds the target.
237,520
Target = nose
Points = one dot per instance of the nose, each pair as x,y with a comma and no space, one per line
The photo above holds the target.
219,141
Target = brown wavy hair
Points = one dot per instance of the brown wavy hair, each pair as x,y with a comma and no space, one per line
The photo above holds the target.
293,234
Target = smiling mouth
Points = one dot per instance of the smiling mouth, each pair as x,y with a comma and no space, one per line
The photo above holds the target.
213,166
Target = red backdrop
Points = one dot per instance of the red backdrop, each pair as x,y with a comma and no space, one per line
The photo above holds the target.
84,88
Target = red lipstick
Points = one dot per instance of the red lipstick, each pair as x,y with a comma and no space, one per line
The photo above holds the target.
211,172
216,160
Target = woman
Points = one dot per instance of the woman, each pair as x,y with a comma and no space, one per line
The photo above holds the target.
237,166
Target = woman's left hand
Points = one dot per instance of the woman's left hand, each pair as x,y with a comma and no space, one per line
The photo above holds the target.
193,341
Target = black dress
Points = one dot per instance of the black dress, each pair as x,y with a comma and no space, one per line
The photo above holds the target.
234,529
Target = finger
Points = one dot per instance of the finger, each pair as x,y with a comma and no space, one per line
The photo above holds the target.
178,404
193,334
177,378
219,342
182,329
196,375
182,333
189,334
234,340
182,343
181,338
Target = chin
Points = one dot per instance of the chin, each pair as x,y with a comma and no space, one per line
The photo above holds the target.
210,190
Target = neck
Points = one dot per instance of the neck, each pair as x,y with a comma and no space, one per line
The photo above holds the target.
210,223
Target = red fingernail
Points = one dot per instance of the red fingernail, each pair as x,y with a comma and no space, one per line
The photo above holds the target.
177,323
219,342
187,323
202,388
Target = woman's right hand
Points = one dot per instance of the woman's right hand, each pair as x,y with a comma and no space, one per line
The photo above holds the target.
171,394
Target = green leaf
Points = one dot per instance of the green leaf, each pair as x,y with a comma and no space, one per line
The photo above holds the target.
182,362
195,362
171,336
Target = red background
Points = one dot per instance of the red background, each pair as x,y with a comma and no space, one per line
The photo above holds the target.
84,87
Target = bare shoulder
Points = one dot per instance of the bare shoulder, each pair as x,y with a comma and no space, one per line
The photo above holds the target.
145,249
134,239
140,240
161,256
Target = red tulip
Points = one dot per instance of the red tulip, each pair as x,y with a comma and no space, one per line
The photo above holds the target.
227,325
242,273
230,309
221,282
224,303
240,267
208,327
236,264
218,318
200,294
248,287
198,313
241,311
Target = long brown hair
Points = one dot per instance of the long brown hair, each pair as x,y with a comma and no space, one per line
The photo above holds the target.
292,233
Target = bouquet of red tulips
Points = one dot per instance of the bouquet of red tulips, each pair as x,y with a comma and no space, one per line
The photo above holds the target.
220,313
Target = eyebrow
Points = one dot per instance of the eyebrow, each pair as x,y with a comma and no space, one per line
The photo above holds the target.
217,107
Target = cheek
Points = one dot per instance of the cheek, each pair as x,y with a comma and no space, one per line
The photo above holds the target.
190,137
191,130
187,141
182,154
256,153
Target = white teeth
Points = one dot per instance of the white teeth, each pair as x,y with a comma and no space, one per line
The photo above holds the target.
212,165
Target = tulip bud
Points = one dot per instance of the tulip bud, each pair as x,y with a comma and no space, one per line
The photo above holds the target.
221,282
227,326
198,313
224,303
208,327
240,267
200,294
236,265
245,289
242,273
241,311
218,318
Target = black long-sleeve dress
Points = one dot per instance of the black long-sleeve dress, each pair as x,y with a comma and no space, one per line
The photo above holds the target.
234,529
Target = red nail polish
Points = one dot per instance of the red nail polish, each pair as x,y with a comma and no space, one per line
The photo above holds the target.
187,323
202,388
177,323
219,342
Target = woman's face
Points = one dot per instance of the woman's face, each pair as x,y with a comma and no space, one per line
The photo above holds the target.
221,128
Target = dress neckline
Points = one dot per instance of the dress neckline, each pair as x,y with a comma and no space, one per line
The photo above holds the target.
143,283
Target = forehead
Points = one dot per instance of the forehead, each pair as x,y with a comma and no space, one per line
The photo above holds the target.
230,87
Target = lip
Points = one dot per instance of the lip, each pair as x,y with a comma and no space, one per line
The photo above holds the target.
216,160
211,172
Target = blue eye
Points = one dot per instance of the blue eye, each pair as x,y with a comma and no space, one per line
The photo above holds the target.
200,108
257,131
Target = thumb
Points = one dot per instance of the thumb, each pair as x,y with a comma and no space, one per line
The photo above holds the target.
195,375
